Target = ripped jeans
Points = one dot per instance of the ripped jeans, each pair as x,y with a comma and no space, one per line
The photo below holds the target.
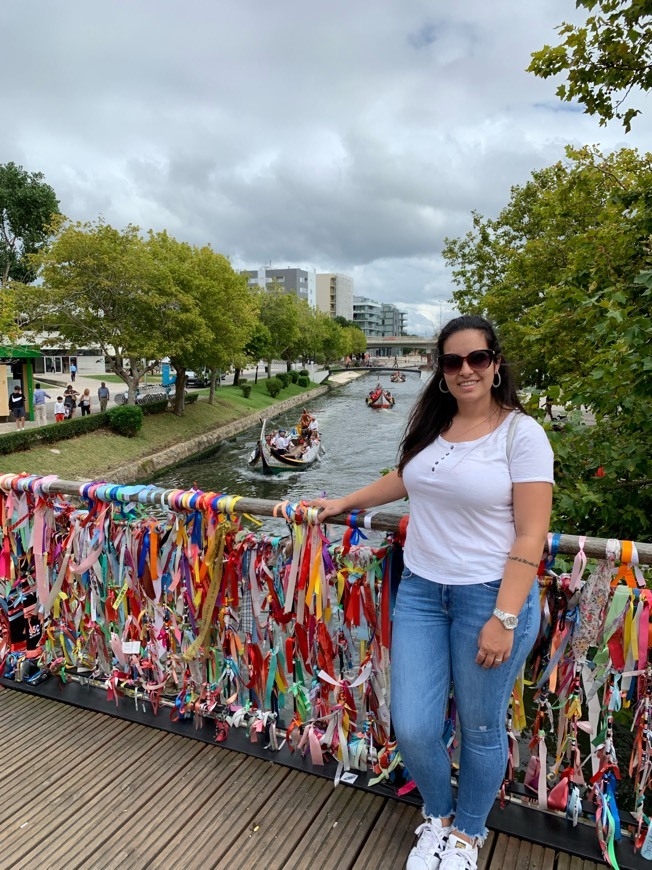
434,640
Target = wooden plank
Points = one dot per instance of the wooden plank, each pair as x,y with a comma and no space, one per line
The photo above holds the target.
113,805
228,811
273,836
137,832
485,854
391,838
499,852
523,854
84,796
542,858
338,833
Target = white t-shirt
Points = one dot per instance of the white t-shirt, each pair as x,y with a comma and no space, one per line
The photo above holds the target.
461,525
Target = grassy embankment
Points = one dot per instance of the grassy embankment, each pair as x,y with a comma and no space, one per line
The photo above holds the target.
94,455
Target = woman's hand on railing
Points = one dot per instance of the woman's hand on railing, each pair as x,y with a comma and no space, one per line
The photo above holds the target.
330,507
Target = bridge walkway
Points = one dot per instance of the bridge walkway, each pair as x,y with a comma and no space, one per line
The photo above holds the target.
86,790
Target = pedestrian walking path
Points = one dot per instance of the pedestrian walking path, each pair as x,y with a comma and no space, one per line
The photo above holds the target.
54,385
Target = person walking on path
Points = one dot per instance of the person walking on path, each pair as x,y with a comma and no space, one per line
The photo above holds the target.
73,372
39,405
85,402
17,406
103,395
59,410
479,473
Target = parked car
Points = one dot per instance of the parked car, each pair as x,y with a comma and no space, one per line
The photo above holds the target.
198,379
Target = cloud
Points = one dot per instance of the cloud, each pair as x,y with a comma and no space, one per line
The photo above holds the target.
348,137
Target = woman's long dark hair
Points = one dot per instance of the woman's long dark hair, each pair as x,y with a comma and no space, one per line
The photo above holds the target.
434,412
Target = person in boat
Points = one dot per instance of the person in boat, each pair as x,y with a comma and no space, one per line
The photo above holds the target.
305,420
479,474
313,426
376,393
296,451
389,397
280,442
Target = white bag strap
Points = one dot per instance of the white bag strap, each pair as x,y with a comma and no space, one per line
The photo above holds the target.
511,432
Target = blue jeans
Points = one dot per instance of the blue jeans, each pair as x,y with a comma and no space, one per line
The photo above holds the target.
434,641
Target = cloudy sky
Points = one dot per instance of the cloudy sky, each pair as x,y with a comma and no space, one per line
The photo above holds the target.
344,136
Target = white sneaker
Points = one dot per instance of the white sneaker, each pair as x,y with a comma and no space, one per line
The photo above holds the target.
427,853
459,855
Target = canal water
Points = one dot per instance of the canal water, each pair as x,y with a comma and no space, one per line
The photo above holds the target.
358,441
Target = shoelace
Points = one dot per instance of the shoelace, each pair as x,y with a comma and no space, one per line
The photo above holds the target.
457,859
432,840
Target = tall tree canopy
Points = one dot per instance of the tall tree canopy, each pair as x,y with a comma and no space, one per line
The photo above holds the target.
106,288
604,59
27,207
565,271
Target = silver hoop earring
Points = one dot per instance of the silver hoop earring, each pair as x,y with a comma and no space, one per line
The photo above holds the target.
442,382
500,380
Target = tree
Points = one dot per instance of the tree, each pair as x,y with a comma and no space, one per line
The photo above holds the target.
565,272
106,288
27,208
279,311
604,59
258,345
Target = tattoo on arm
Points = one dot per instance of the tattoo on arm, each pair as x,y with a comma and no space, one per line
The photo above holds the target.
523,561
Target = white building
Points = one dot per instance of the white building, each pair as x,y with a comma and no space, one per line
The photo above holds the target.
335,295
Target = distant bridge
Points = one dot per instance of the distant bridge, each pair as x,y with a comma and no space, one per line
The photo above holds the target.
374,369
395,342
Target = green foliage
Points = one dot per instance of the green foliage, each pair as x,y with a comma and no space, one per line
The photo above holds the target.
27,438
241,380
126,420
303,381
284,378
273,386
246,390
27,207
155,407
304,373
191,398
603,59
294,375
565,271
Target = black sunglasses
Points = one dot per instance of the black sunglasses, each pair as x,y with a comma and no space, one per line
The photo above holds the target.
451,363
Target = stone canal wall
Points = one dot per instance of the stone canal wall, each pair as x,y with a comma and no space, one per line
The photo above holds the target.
148,466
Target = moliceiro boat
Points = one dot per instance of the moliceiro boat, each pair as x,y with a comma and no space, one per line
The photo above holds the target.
302,450
379,398
397,378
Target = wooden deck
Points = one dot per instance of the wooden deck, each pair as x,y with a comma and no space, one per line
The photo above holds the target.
84,790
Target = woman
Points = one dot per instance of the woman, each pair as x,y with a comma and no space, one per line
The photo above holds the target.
478,473
85,402
70,401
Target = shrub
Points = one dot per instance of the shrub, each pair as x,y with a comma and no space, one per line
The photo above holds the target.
191,397
304,373
246,390
242,381
303,381
294,375
53,432
155,407
284,378
273,386
126,420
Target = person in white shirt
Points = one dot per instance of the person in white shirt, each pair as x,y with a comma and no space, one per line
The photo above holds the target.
280,441
59,410
479,473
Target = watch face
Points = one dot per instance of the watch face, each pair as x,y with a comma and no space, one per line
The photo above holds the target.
510,621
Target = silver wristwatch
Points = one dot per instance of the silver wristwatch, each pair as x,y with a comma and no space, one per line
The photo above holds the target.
508,619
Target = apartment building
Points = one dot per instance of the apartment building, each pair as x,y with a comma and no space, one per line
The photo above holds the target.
378,319
300,281
335,294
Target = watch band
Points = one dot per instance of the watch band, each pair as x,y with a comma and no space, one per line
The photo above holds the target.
509,620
